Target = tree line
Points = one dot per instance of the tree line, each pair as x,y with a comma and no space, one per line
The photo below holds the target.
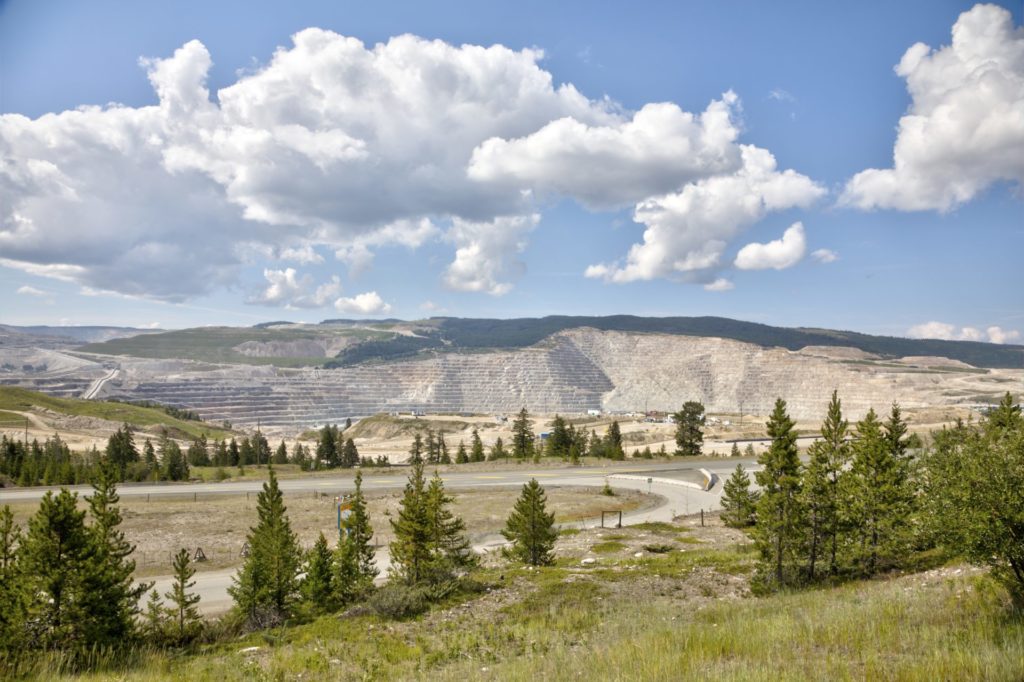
67,588
866,502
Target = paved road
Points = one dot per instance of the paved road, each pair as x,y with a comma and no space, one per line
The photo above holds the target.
673,500
95,387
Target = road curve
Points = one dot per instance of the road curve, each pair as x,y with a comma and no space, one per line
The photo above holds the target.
674,500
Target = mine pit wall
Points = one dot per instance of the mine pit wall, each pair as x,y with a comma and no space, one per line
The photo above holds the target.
569,373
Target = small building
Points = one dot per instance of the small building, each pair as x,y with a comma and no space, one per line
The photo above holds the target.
593,413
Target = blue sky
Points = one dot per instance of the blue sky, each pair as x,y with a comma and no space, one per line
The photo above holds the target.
440,178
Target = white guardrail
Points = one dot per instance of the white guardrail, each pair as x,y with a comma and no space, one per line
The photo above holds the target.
709,480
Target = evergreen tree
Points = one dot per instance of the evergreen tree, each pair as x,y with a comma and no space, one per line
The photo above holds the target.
778,528
261,449
234,454
187,622
560,440
54,560
498,450
689,428
522,436
735,452
596,447
317,588
299,457
749,451
349,454
281,454
880,498
121,450
327,448
111,597
446,531
174,464
823,489
574,454
198,454
531,528
416,450
444,457
433,448
476,448
411,556
739,502
12,597
1006,415
354,559
613,442
266,585
154,620
461,456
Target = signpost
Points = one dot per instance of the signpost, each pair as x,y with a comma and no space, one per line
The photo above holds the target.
344,510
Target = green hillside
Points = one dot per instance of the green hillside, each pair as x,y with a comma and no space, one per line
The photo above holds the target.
23,400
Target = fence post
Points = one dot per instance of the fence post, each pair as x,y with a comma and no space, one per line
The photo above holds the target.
702,517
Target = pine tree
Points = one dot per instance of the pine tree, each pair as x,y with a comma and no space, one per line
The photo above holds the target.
522,436
234,454
778,528
574,454
689,428
187,621
749,451
560,440
354,559
349,454
416,450
823,489
198,454
411,556
175,468
299,457
433,448
317,588
531,528
12,597
281,454
461,456
266,585
735,452
442,447
154,620
613,442
446,531
476,448
1006,415
111,597
879,500
739,502
53,559
327,448
498,450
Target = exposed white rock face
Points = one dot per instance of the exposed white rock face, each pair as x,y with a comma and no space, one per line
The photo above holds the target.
569,373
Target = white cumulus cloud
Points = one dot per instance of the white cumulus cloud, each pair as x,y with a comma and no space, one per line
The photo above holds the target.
334,146
486,255
31,291
688,231
285,288
950,332
1000,335
369,303
720,284
964,130
777,254
825,256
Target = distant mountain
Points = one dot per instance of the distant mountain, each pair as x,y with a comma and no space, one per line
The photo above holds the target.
86,334
385,340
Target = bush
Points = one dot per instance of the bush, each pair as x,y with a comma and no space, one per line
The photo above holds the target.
399,601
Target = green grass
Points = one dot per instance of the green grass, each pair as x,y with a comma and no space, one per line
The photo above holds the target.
20,399
609,547
605,625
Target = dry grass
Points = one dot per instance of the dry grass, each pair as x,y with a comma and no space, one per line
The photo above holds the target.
219,523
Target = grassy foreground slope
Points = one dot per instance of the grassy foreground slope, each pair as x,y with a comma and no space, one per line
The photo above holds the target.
674,616
23,400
